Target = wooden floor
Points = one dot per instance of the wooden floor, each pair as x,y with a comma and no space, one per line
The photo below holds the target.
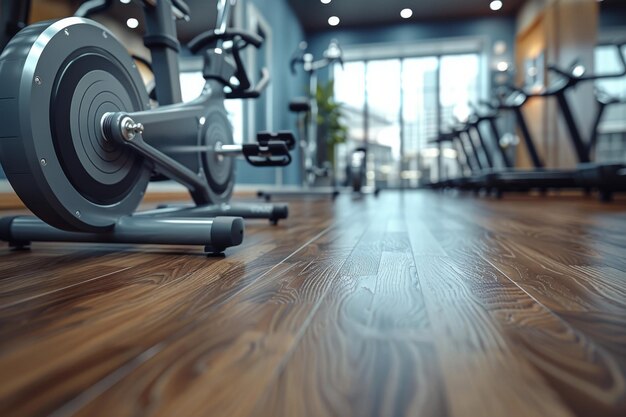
413,304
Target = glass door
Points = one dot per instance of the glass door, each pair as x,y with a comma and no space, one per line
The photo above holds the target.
350,92
459,89
420,115
383,102
397,107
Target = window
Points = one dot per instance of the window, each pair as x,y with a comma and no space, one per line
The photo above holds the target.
383,87
611,142
398,106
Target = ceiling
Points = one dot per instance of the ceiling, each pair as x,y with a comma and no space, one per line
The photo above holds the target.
353,13
314,15
362,13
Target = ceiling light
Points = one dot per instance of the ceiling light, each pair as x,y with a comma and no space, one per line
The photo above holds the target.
578,71
406,13
125,1
499,48
502,66
495,5
333,20
132,23
325,1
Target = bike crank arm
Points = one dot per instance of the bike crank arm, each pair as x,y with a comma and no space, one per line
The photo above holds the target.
123,129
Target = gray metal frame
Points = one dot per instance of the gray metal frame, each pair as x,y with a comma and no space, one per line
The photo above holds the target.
37,173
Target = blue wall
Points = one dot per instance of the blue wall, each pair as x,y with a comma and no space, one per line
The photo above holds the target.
287,33
494,28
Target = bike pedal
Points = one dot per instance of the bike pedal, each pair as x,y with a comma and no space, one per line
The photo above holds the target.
284,136
271,154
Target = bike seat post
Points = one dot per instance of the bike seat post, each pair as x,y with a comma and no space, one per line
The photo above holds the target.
163,43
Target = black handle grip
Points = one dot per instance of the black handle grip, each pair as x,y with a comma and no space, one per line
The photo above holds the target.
294,62
209,39
92,7
254,92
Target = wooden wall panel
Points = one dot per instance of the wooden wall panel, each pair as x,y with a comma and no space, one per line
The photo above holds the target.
563,30
577,37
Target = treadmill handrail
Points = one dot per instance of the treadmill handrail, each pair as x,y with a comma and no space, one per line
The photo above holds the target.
573,78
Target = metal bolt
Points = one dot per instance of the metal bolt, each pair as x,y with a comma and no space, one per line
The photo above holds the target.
130,128
104,34
77,213
218,147
43,162
67,32
37,80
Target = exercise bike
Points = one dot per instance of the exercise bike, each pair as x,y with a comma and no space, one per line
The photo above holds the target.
80,142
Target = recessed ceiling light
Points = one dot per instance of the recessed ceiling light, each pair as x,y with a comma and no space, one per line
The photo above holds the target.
578,71
495,5
502,66
325,1
333,20
499,47
406,13
132,23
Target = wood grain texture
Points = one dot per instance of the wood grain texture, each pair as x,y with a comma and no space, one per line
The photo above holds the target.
411,304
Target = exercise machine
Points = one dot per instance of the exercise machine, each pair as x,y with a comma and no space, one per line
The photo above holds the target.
606,178
222,173
357,169
307,110
80,141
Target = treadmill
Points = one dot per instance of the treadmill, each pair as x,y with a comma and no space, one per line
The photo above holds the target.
477,160
491,117
605,177
450,136
489,166
481,161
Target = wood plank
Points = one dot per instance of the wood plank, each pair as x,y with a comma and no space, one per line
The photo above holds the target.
369,344
146,305
247,338
409,304
473,351
573,358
